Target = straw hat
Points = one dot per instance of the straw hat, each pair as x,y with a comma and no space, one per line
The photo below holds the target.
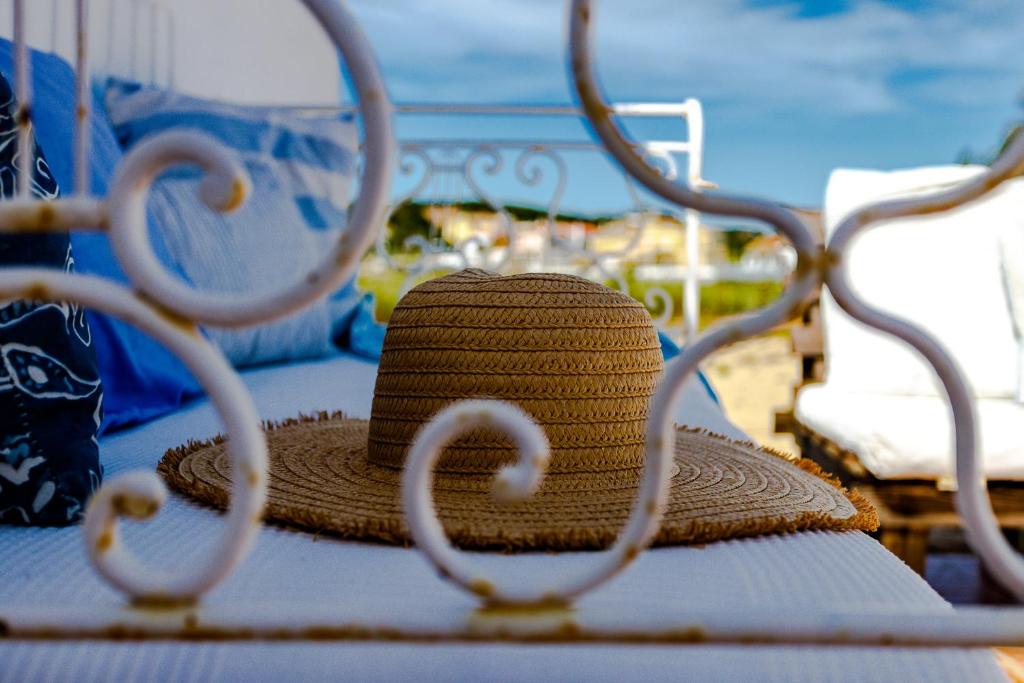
583,361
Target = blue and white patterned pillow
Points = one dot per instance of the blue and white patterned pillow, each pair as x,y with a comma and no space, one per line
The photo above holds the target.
302,171
50,394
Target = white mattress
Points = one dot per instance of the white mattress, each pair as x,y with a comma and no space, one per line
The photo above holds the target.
910,437
807,571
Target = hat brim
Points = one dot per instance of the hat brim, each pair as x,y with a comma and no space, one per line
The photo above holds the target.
321,481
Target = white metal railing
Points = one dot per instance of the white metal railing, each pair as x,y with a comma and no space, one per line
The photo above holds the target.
423,161
170,312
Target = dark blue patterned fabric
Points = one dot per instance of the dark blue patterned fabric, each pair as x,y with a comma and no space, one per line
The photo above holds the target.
50,394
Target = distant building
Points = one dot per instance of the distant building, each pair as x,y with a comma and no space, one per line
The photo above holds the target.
648,237
769,253
663,239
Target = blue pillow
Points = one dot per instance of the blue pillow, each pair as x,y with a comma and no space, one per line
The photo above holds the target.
141,379
669,350
360,332
50,394
301,169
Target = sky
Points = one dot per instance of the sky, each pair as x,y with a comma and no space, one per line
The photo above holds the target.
791,89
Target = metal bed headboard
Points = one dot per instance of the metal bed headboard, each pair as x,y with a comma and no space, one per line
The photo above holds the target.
147,55
466,158
543,607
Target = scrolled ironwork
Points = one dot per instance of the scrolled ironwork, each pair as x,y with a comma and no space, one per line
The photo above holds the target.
170,311
816,267
466,164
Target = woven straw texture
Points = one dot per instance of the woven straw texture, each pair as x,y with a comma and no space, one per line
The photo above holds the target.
583,361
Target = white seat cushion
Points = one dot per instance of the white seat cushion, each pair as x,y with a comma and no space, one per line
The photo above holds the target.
910,437
1011,256
941,272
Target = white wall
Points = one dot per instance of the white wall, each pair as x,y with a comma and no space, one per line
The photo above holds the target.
258,51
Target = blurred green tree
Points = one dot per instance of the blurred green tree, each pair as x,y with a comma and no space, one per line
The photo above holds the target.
736,242
407,220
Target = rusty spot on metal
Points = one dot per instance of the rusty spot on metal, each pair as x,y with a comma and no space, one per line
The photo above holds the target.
253,477
550,605
238,193
104,542
569,630
693,634
344,253
4,629
550,600
37,291
651,507
23,116
829,258
585,14
388,633
209,633
46,215
191,621
181,323
808,265
81,112
482,587
161,602
630,553
122,632
133,506
443,573
887,639
312,278
346,631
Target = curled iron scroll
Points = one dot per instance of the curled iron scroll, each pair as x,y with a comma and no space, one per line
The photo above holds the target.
815,266
170,311
648,508
812,271
972,499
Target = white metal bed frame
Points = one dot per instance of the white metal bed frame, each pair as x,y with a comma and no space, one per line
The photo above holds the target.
169,606
462,158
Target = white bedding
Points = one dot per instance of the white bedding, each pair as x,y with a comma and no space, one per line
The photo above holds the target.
807,571
910,437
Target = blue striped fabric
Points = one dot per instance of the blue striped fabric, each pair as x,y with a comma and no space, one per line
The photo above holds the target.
302,170
259,138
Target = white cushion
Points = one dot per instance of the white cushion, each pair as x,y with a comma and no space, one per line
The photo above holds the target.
910,437
1011,257
941,272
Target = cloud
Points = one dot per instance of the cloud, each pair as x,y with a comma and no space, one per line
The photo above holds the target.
871,58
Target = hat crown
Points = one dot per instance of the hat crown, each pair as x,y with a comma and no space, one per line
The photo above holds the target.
582,359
